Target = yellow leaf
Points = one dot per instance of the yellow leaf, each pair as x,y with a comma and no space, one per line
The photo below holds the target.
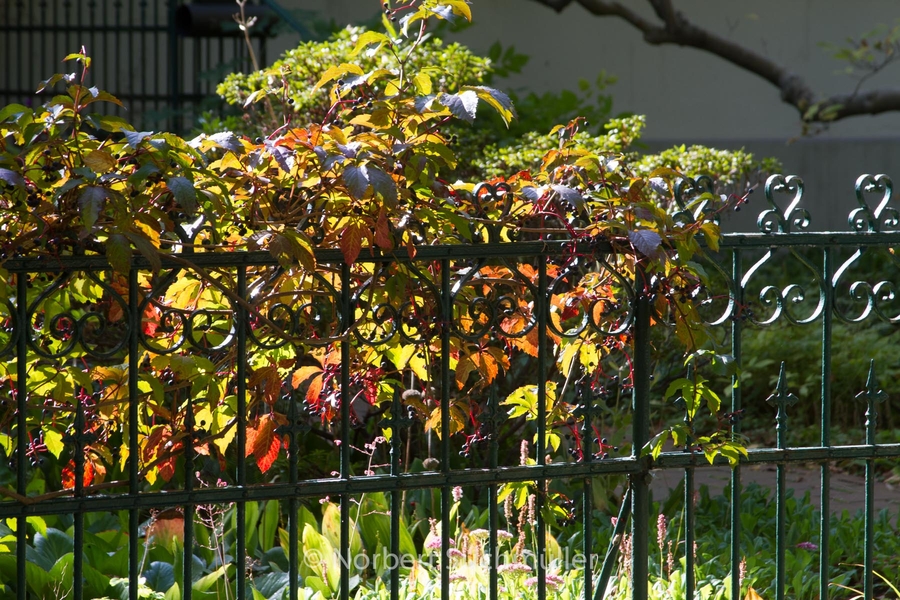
100,161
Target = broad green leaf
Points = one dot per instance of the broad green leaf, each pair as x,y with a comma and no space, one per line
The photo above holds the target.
356,179
184,193
337,72
463,105
497,100
91,202
118,253
54,442
370,38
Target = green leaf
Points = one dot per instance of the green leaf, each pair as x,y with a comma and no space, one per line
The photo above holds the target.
337,72
14,110
54,442
91,202
368,39
184,192
11,177
462,105
118,253
497,99
356,179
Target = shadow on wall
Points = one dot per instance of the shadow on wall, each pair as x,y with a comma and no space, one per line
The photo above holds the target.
828,167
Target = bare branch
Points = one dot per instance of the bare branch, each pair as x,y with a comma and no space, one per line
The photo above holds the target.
675,29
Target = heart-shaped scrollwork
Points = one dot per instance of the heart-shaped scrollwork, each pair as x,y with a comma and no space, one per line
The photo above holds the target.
884,217
775,220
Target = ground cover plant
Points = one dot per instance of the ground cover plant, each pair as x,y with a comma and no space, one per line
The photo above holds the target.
325,193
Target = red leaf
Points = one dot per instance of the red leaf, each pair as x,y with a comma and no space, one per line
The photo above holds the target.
351,242
150,322
68,475
263,443
383,232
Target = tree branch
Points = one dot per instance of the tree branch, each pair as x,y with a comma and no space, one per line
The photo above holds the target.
676,29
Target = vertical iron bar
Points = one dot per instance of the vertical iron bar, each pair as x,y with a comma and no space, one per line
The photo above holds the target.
396,411
640,509
174,68
737,276
688,533
825,439
346,319
189,509
493,511
780,488
614,542
78,558
134,319
21,424
871,396
587,498
240,318
293,503
446,319
541,447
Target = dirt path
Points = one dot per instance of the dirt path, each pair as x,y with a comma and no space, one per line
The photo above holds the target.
847,491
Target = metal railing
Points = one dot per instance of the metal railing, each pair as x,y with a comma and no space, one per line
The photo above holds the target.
156,59
74,313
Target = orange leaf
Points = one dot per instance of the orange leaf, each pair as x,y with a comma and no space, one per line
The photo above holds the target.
463,368
68,475
351,242
304,373
263,443
383,231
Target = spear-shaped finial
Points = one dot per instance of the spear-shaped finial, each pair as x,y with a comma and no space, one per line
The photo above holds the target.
782,398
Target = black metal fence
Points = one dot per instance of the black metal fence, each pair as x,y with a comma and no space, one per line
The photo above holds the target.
79,341
162,58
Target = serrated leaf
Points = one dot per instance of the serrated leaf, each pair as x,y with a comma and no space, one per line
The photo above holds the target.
351,242
423,83
383,184
184,192
569,195
91,203
356,179
367,39
645,241
118,253
146,248
303,374
228,140
263,443
135,138
497,100
463,105
282,155
337,72
100,161
54,442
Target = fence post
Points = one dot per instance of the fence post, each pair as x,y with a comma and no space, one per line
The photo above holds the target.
640,496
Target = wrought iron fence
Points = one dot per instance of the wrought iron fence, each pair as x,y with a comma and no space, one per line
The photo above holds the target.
74,315
163,59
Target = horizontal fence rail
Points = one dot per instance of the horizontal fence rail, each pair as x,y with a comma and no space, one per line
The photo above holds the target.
167,458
